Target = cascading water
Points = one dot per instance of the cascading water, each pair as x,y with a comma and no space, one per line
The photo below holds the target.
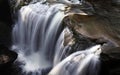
35,34
79,63
38,38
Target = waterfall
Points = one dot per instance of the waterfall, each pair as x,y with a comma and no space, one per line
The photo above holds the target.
38,37
35,35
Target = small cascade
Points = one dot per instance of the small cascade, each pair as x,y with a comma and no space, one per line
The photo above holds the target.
79,63
60,52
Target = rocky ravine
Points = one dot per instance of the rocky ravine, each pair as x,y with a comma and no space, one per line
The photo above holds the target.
109,10
101,28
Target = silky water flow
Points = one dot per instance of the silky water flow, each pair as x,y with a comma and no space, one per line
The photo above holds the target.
38,38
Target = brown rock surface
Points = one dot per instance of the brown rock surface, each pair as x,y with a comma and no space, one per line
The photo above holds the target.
95,27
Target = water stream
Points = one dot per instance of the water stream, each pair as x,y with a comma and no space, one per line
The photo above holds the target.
38,37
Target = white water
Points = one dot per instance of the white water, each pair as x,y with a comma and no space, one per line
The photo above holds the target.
35,35
79,63
38,39
60,1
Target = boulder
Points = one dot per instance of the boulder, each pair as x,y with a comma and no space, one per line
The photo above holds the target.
7,56
95,27
79,41
107,8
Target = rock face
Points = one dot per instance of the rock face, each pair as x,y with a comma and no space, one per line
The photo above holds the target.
80,42
95,27
107,8
106,21
110,62
17,4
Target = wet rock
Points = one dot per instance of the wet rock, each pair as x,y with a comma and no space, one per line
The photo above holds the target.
94,27
17,4
7,57
107,8
69,39
110,62
79,41
4,59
